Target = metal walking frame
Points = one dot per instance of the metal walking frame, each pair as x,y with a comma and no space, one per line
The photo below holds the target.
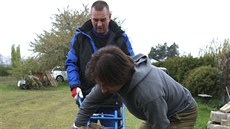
120,122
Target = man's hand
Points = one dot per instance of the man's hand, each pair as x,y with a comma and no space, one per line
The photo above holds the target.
74,126
76,91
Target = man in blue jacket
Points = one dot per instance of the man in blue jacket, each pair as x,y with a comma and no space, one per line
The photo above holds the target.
148,92
96,33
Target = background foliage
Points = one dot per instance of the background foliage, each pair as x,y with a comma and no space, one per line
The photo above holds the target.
162,52
212,70
204,80
52,46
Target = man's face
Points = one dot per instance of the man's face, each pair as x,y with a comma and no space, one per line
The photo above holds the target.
106,88
100,20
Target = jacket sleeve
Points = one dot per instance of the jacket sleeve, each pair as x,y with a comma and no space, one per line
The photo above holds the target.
90,104
71,61
156,114
128,44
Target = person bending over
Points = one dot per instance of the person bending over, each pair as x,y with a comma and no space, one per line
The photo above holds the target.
149,93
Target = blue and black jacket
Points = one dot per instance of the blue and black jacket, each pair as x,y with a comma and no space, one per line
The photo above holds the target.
82,46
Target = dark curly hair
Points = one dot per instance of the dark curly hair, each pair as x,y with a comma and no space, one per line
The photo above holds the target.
110,65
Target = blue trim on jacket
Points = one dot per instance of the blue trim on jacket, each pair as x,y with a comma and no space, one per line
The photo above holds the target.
72,69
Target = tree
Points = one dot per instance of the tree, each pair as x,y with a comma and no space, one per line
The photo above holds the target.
52,47
172,50
1,60
3,67
223,59
161,52
15,56
4,60
26,67
221,52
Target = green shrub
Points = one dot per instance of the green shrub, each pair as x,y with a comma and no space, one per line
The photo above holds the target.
4,70
179,67
204,79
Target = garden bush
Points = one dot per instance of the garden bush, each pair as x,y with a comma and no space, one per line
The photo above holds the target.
179,67
204,79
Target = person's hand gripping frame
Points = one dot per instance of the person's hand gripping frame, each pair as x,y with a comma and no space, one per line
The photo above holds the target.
76,92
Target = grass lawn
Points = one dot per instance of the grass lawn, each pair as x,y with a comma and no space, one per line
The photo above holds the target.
53,108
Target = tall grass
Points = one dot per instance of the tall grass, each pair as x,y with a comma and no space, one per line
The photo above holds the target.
54,108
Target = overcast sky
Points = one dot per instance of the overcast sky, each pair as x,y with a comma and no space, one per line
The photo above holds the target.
192,24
